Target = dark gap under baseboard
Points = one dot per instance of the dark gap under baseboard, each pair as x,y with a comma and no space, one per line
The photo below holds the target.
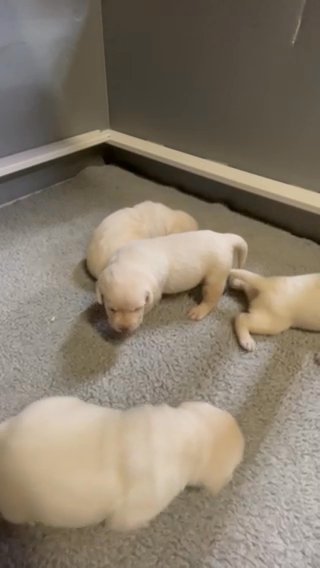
296,221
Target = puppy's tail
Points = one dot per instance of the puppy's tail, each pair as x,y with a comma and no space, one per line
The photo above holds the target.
239,277
240,247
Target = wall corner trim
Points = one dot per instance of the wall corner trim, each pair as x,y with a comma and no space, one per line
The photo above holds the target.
22,161
292,195
295,196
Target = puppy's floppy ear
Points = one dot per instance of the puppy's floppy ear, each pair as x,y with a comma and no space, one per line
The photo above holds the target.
148,297
98,294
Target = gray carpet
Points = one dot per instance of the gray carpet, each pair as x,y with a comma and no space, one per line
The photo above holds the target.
53,340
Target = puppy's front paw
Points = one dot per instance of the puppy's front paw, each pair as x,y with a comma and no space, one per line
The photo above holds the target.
248,344
235,283
199,312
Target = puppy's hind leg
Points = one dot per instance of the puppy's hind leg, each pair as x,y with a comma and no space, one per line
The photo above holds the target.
259,322
211,293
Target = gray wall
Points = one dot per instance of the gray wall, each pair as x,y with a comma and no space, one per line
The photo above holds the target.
52,71
51,173
223,79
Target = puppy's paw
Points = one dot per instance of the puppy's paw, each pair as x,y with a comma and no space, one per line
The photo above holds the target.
235,283
199,312
248,344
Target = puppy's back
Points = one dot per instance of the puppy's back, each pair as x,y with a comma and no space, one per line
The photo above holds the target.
51,469
114,231
155,463
143,221
161,220
149,449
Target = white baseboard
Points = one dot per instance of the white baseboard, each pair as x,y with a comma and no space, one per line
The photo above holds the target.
36,156
240,180
295,196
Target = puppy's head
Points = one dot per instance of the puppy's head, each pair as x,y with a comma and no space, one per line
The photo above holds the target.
220,445
126,296
182,222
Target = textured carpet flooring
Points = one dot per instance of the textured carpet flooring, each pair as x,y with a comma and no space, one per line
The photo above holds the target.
53,341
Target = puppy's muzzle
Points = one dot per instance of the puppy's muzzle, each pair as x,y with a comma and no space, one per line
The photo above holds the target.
125,329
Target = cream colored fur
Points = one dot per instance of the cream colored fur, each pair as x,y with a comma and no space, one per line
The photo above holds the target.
139,274
145,220
68,463
276,304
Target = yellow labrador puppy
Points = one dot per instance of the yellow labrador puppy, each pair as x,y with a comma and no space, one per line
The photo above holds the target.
145,220
69,463
139,273
276,304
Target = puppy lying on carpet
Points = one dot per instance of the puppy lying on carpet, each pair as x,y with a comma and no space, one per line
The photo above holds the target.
68,463
139,274
142,221
276,304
